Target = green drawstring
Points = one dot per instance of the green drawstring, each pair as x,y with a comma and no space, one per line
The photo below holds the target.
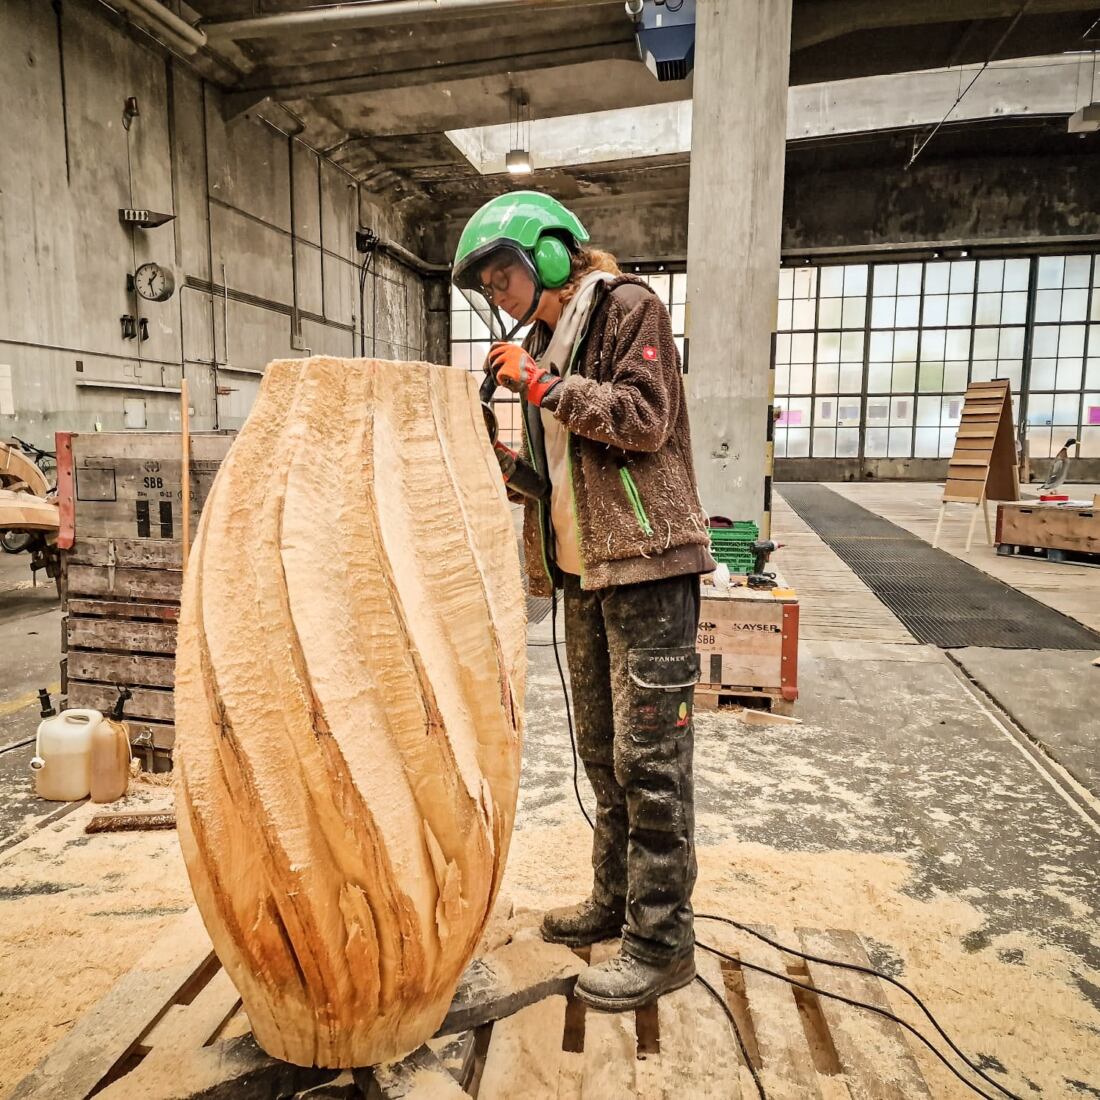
635,499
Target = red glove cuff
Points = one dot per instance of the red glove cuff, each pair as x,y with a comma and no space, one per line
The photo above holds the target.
540,386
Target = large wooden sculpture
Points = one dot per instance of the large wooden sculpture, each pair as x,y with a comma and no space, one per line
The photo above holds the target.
349,701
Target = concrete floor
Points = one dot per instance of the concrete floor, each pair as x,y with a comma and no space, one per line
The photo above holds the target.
30,647
905,807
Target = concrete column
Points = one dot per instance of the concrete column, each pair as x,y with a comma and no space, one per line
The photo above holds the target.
738,140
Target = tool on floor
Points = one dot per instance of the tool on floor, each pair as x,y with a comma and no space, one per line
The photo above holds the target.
762,550
518,475
46,707
131,821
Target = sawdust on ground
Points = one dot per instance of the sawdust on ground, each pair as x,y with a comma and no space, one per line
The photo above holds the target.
1028,1015
76,912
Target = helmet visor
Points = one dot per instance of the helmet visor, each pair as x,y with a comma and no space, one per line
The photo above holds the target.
502,286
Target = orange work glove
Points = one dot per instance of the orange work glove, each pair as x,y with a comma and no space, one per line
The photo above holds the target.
517,371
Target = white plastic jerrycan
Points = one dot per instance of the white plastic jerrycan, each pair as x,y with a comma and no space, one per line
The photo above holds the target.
62,763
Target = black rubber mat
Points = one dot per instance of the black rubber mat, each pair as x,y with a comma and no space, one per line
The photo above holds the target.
538,607
941,600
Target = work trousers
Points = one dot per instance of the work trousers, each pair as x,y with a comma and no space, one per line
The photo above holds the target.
633,669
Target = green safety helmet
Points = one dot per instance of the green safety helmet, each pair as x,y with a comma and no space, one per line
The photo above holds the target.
538,227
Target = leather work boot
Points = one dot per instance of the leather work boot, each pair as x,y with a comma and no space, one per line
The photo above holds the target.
624,983
583,924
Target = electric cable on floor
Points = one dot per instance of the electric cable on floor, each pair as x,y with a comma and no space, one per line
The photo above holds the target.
781,947
870,971
884,1012
736,1031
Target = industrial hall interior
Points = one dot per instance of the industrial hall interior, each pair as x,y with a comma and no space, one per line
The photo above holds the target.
549,549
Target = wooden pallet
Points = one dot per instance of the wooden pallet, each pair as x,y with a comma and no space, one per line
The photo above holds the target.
121,570
711,697
1049,553
172,1029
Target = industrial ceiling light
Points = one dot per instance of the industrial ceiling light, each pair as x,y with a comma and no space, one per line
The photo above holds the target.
518,161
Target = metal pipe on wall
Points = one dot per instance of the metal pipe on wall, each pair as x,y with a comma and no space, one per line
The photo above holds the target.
156,17
350,16
410,259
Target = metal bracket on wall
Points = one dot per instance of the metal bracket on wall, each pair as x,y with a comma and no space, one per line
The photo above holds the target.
129,326
139,218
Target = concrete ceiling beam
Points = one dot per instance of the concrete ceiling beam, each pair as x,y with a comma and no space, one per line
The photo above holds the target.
351,16
825,20
470,68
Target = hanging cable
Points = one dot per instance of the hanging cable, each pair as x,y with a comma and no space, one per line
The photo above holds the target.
963,94
568,706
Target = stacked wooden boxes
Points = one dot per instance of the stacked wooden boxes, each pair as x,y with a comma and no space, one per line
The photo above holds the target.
748,646
121,496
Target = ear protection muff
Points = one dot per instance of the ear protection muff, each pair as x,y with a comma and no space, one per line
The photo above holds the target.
553,261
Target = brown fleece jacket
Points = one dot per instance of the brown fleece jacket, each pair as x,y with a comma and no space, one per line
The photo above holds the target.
637,504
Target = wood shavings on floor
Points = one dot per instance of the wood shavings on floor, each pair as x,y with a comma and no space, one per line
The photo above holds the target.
1015,1001
76,911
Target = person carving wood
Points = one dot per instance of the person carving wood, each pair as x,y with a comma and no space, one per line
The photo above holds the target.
624,535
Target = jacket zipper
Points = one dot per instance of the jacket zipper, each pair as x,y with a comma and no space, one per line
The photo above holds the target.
635,499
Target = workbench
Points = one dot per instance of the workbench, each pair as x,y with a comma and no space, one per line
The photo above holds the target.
748,644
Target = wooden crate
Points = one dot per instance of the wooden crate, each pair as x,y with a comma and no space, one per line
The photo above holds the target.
120,496
1063,527
748,645
172,1029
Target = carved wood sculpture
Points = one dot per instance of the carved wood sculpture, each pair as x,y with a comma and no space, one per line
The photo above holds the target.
349,702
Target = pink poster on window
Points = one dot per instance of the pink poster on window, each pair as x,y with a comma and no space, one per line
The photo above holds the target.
789,416
1093,416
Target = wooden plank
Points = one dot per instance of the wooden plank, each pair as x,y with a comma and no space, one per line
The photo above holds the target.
420,1076
877,1061
123,609
123,635
117,668
137,553
699,1057
162,735
113,1026
180,1032
146,702
236,1069
610,1044
973,472
101,580
525,1056
507,980
788,1070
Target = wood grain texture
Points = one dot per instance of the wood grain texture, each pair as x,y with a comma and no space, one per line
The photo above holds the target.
349,700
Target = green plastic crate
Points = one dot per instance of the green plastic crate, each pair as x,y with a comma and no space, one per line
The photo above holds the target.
732,546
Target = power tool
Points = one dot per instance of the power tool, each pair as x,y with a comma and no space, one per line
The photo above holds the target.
762,550
519,476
